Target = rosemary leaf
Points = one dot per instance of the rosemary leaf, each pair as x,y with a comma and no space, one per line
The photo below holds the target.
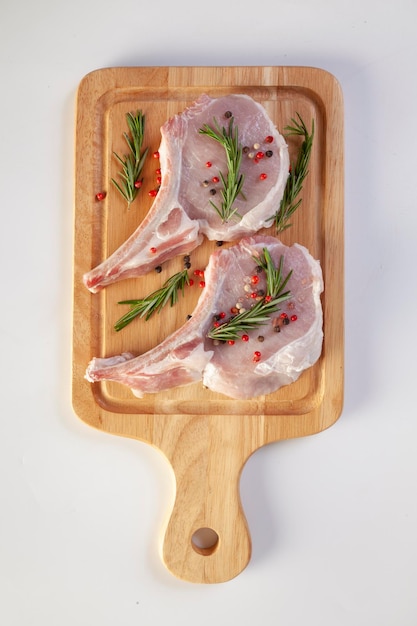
132,163
232,182
298,172
154,302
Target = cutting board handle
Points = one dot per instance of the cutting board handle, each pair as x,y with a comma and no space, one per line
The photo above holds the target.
207,538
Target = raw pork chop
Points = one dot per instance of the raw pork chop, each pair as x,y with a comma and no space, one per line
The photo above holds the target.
238,370
181,213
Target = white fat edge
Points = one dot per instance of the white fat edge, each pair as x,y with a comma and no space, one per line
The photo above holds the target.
304,351
296,356
273,197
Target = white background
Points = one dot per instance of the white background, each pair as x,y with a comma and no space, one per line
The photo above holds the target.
333,517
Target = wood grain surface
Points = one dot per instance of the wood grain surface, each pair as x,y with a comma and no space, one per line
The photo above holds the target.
206,437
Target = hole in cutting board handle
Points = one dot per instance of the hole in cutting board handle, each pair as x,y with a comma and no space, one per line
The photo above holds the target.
205,541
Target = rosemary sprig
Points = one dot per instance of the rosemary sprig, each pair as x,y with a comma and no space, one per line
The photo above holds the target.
232,183
261,312
154,302
132,163
297,175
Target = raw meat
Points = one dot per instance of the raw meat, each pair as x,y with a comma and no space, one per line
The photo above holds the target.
188,355
181,213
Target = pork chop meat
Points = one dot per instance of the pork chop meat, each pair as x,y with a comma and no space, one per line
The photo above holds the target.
273,355
182,213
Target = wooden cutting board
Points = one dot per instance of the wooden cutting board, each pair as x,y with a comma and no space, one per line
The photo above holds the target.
206,437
